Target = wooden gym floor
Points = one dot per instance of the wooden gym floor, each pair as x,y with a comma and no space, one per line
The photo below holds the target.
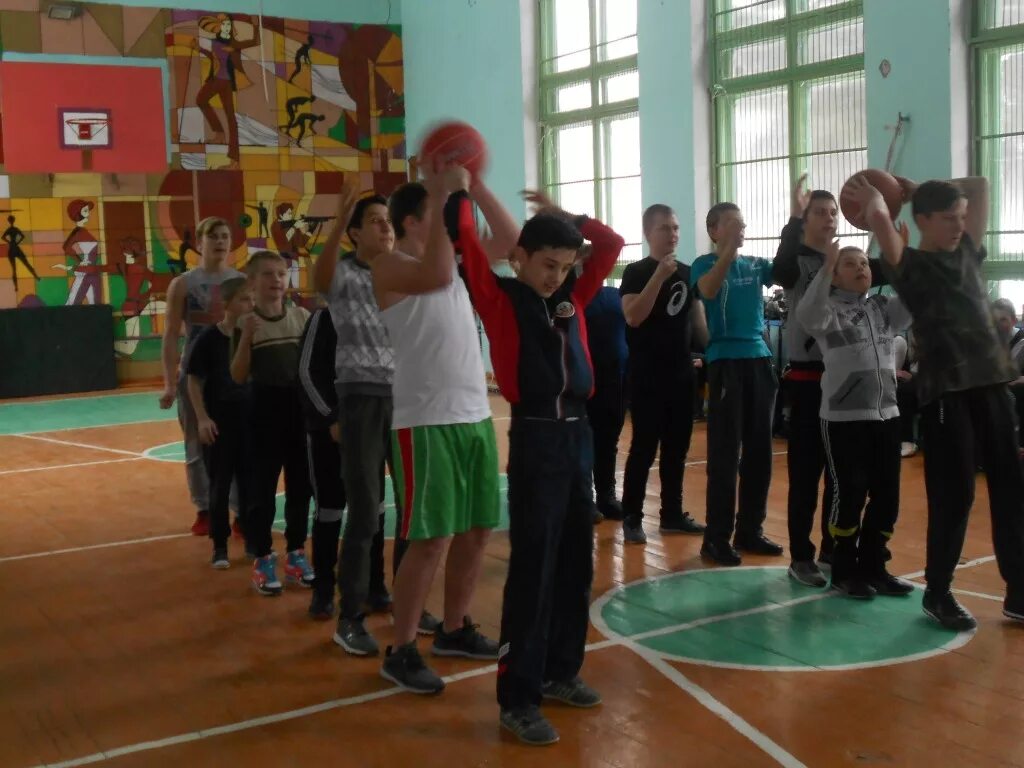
120,646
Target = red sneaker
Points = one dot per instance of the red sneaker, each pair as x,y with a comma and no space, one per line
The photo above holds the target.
236,529
201,527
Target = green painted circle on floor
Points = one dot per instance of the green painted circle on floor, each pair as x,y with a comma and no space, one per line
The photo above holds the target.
175,452
758,618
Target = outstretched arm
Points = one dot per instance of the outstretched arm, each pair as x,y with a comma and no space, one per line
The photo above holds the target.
786,268
711,283
814,312
169,355
876,213
504,228
323,268
976,190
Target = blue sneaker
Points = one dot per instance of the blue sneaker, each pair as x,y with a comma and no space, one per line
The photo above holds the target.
264,576
297,569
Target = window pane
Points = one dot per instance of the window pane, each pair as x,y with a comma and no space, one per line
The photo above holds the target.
836,113
761,190
621,142
834,41
574,153
623,208
1007,174
572,34
744,13
620,87
760,124
617,49
616,20
816,5
573,97
1011,90
1014,291
576,198
1001,13
754,58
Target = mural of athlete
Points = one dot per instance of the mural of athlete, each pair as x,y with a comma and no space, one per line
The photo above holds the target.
14,237
302,56
291,236
225,78
139,282
292,108
81,246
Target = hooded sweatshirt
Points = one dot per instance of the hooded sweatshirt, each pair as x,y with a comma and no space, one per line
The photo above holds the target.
855,333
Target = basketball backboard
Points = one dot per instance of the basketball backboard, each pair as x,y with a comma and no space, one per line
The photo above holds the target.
85,129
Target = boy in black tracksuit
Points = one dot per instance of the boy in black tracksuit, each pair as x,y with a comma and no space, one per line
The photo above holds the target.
320,411
542,364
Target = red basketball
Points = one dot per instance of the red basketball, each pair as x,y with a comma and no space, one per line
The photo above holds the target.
455,142
885,183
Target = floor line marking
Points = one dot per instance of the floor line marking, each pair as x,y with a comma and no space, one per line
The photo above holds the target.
88,426
105,545
69,466
81,445
969,564
968,592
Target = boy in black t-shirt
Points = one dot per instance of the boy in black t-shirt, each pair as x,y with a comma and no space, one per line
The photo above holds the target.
963,369
661,316
221,408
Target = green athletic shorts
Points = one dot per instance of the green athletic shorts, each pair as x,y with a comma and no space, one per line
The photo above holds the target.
447,478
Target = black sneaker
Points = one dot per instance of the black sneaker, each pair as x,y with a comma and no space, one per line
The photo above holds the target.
888,585
429,624
680,524
573,692
404,667
855,588
595,516
720,552
947,611
220,561
321,607
378,602
529,726
611,509
633,534
757,545
466,642
353,637
1013,604
808,573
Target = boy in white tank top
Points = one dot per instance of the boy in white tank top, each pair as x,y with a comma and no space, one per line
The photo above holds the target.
445,454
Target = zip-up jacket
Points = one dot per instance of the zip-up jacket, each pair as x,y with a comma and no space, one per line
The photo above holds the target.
316,371
794,267
855,333
538,346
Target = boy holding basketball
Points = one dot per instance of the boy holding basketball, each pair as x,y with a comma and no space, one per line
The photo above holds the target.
741,391
860,422
541,361
962,376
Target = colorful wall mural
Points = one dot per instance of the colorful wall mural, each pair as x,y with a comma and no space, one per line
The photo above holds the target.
124,127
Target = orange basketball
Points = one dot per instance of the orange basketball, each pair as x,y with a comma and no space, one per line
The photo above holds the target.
455,142
885,183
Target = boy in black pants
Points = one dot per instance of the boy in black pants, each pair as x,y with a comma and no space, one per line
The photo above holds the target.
222,412
267,354
961,382
661,315
542,364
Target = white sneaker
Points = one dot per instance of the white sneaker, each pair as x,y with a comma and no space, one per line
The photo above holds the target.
908,449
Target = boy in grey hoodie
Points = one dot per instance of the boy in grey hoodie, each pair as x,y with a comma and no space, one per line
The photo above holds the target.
860,420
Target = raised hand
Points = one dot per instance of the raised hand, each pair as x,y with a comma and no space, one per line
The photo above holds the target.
909,187
859,190
666,267
832,256
250,325
348,195
800,198
904,231
541,202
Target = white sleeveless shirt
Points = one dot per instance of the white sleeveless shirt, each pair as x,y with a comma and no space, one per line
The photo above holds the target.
439,371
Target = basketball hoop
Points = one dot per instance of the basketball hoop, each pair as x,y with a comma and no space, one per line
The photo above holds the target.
85,130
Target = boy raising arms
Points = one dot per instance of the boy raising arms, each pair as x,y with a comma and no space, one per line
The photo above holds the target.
962,376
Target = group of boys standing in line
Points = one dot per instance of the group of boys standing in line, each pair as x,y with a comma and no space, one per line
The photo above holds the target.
391,373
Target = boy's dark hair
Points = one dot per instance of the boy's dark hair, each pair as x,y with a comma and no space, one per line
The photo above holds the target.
232,287
819,194
252,266
546,230
715,214
1004,305
934,197
356,221
408,200
658,209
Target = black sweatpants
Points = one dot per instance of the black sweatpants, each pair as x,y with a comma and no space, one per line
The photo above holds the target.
278,442
551,535
227,461
906,399
606,411
864,463
741,399
805,466
662,414
949,428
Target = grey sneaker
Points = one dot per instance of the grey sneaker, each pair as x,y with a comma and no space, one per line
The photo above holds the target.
633,534
466,641
807,573
573,692
353,637
429,624
220,560
404,667
529,726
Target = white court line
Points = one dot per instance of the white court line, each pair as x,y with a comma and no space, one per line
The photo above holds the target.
89,396
69,466
81,445
969,564
106,545
93,426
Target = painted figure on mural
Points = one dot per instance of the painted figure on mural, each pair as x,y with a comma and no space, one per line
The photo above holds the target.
264,217
225,78
14,237
82,247
302,56
304,121
291,235
140,284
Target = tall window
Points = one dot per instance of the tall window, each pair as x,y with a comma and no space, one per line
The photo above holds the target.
998,50
590,125
788,93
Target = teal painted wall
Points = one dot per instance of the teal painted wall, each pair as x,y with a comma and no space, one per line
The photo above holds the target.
355,11
465,61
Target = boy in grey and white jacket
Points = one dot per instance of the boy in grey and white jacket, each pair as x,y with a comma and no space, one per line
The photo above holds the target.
860,420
